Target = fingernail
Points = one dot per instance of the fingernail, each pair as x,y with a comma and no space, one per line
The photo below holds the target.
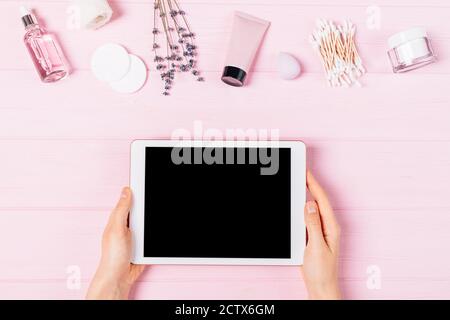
311,207
124,194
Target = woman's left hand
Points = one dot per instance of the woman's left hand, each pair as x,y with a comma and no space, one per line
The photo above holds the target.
116,275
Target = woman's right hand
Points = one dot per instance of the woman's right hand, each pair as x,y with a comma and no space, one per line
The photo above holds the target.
320,265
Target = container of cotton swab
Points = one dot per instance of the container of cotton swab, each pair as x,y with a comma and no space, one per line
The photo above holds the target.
336,47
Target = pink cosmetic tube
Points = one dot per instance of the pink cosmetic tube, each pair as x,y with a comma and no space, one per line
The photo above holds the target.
246,37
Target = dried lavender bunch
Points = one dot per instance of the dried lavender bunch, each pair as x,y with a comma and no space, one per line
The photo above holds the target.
173,43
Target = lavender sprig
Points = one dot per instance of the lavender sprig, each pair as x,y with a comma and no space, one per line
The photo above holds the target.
181,50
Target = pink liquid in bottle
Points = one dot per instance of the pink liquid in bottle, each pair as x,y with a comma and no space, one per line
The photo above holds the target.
45,52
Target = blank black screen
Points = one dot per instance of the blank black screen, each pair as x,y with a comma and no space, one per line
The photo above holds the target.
216,210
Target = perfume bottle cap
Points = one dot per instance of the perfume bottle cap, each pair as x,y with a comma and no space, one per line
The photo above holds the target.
27,16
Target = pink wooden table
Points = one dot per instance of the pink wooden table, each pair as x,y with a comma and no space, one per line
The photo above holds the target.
383,151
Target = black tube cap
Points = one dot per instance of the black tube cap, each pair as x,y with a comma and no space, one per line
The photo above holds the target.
234,76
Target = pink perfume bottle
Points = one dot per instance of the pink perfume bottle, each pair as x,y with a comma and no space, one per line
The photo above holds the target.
44,50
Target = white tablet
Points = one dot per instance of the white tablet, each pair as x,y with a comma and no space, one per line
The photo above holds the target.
211,202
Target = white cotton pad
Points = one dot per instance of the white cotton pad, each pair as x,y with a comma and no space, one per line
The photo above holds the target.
110,62
134,79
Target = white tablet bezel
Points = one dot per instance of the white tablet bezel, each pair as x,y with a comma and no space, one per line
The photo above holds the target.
298,198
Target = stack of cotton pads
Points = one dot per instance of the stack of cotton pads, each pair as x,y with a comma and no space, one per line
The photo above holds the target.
124,72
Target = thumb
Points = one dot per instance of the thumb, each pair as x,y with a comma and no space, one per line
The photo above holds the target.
122,209
313,223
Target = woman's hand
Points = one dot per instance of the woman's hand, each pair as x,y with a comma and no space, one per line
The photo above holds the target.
115,274
320,266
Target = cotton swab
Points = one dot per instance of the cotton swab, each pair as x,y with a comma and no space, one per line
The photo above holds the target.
336,46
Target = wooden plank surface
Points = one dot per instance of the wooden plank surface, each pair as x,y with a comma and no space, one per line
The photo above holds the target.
382,151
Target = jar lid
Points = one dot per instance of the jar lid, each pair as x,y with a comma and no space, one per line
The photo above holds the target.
405,36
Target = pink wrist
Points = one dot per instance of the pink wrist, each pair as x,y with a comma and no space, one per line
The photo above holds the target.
108,289
325,293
